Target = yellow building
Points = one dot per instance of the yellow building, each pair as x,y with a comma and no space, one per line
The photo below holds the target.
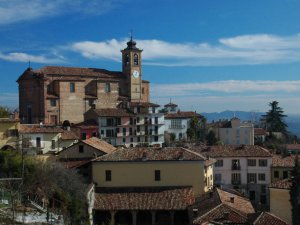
280,200
158,182
8,133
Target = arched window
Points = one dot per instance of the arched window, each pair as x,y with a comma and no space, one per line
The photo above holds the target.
126,60
136,59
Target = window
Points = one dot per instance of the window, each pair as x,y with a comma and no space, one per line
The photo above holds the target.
131,121
107,175
81,148
263,199
119,121
138,139
38,142
219,163
94,134
124,131
263,189
138,128
110,133
156,138
124,140
263,162
153,109
83,136
156,120
131,140
53,144
138,120
175,124
143,90
53,102
251,162
126,60
107,87
110,122
276,174
157,175
261,177
236,164
285,174
236,178
252,195
218,178
136,59
72,87
251,178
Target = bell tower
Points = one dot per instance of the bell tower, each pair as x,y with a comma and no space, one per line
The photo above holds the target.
132,69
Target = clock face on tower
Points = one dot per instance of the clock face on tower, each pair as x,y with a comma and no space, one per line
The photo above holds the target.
135,74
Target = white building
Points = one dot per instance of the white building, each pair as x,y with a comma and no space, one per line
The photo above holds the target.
234,132
141,124
177,122
244,168
40,139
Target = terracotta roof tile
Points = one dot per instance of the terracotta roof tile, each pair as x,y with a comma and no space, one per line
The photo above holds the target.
239,203
280,161
260,131
113,112
74,164
232,151
36,128
69,135
182,114
223,214
77,71
170,104
281,184
143,104
152,154
149,198
268,218
99,144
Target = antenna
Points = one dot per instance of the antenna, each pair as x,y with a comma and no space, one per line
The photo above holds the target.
29,63
131,34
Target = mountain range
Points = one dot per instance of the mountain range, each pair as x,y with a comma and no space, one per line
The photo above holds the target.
292,120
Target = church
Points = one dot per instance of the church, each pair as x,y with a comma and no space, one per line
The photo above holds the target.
53,94
118,102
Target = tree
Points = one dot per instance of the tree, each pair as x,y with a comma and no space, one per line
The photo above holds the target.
274,119
295,192
211,138
196,129
4,113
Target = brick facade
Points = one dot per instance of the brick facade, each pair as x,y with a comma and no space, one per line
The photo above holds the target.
53,94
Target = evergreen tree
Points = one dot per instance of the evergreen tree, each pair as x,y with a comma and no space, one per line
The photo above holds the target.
211,138
274,119
295,193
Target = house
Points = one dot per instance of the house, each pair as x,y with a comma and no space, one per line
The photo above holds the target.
137,124
177,122
9,133
293,149
281,167
246,168
280,199
141,185
41,139
233,132
260,135
54,94
87,129
86,150
222,206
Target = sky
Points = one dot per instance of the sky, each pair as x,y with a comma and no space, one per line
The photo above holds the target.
204,55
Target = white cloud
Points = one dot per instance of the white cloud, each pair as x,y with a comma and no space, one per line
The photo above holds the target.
240,50
225,87
24,57
24,10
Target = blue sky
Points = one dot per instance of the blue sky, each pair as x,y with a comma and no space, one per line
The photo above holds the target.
205,55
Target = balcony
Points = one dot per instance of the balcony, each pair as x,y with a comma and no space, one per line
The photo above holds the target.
176,126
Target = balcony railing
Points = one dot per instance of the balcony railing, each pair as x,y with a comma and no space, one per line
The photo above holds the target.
176,126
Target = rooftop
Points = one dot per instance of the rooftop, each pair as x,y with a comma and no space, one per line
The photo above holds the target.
148,198
283,161
152,154
232,151
268,218
143,104
99,144
182,114
36,128
113,112
281,184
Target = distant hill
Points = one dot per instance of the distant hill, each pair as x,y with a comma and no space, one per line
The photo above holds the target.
292,120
